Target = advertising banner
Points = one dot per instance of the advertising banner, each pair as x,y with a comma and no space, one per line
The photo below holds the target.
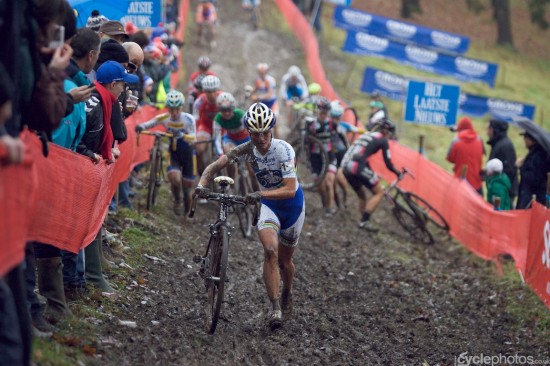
143,13
353,19
340,2
394,86
462,68
431,103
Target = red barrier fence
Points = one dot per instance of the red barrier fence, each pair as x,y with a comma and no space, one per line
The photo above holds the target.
61,200
524,234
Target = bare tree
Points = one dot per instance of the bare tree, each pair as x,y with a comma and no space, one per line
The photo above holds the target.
408,7
501,13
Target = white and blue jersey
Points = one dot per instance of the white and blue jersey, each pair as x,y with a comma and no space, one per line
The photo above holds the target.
285,216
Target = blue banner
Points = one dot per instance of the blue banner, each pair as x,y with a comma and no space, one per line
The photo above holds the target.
353,19
395,86
143,13
431,103
340,2
462,68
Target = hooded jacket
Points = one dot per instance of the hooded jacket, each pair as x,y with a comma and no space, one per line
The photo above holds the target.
503,149
467,150
498,185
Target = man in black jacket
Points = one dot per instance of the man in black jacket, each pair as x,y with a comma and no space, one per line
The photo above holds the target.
503,149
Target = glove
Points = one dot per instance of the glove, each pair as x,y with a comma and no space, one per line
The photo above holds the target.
253,198
139,128
201,192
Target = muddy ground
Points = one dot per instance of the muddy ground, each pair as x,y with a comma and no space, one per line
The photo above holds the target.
359,298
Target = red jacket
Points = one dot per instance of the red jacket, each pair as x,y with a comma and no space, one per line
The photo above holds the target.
467,149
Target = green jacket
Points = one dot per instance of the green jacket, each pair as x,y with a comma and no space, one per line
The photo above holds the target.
498,185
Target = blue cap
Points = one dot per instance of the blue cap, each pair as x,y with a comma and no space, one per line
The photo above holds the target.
113,71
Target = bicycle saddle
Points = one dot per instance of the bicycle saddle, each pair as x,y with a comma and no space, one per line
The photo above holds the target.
224,180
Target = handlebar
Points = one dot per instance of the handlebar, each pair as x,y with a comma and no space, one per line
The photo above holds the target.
404,171
222,197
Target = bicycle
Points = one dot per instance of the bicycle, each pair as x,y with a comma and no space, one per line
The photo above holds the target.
213,264
415,214
156,171
244,186
311,156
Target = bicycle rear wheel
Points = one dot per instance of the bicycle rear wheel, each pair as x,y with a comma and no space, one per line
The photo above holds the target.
217,262
408,218
433,218
310,167
154,173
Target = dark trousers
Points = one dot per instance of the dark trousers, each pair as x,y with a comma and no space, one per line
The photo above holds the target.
15,325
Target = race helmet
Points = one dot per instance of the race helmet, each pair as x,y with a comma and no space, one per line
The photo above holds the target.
210,83
225,101
197,83
336,109
259,118
323,104
384,124
314,88
204,63
294,71
262,66
174,99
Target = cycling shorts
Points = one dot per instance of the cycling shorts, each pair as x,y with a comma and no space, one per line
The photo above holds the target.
226,140
360,177
317,163
286,217
294,91
183,159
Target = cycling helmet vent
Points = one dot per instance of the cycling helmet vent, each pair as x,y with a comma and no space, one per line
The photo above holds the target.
211,83
174,99
259,118
323,104
225,101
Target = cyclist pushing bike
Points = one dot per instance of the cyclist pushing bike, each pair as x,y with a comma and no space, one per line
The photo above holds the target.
181,174
360,175
283,208
206,17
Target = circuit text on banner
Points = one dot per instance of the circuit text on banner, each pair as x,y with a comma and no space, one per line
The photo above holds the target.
432,103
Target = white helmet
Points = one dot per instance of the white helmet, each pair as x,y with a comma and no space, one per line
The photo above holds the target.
211,83
225,101
336,109
174,99
259,118
294,70
262,66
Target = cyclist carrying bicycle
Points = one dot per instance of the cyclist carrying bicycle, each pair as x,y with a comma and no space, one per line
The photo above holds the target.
283,208
321,127
181,173
360,175
205,109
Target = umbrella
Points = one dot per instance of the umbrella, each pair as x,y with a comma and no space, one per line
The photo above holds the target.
538,133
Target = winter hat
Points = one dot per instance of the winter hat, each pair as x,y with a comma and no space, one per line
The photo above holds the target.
465,124
113,28
376,104
95,20
112,50
494,166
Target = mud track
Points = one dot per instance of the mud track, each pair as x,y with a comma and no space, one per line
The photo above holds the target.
359,299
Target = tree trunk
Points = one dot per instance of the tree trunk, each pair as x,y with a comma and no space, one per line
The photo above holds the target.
504,25
408,7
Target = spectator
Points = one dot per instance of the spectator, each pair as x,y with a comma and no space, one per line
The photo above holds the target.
467,150
113,29
533,171
97,144
498,185
503,149
95,21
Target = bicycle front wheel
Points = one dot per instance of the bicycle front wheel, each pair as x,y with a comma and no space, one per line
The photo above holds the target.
310,167
217,261
432,217
408,218
154,172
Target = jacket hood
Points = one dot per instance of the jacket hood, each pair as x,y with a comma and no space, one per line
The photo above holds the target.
467,135
499,130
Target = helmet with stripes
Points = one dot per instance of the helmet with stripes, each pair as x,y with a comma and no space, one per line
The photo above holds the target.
259,118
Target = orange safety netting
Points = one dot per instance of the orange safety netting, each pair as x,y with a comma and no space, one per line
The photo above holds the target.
524,234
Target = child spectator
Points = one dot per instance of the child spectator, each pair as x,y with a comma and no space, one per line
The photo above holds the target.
498,185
